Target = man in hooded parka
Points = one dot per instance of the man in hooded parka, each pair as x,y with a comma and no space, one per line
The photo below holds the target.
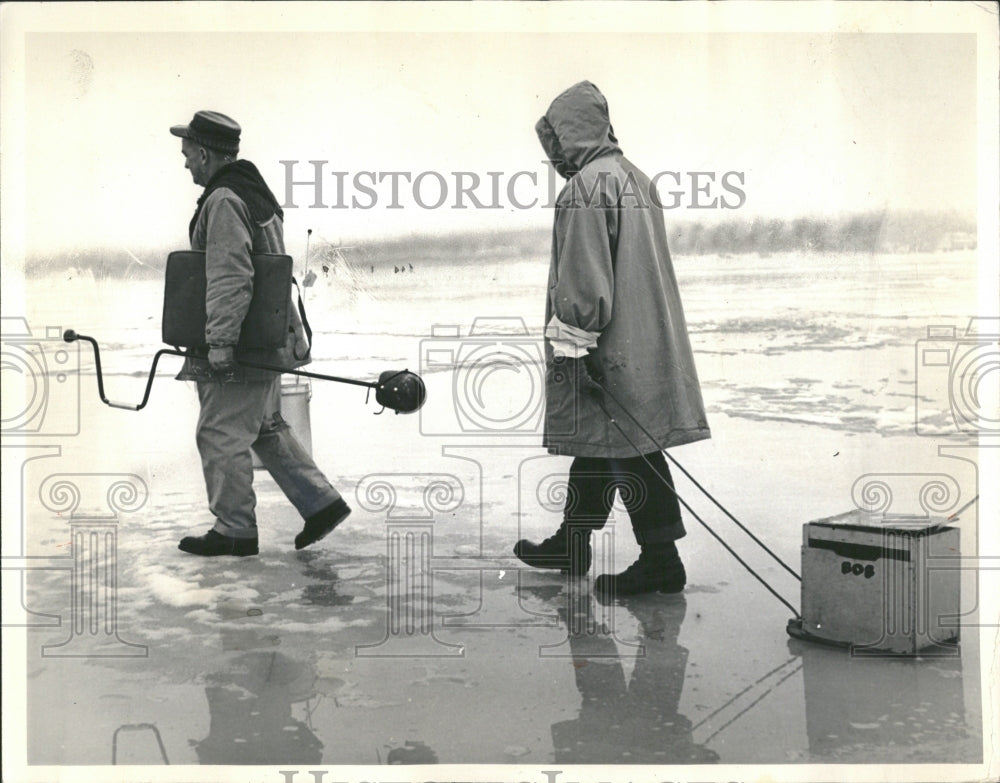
621,384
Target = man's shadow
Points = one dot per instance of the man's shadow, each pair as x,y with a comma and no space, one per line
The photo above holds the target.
634,721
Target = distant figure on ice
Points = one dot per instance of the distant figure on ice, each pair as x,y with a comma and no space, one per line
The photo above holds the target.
617,346
240,406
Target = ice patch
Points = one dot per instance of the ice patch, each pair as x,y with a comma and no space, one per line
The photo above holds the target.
175,592
329,625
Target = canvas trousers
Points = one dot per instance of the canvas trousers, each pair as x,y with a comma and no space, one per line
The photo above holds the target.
238,417
644,485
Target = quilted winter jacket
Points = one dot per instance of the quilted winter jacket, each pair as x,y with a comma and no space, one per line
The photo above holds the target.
228,235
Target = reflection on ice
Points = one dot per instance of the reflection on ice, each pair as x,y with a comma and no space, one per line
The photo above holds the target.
634,720
412,753
250,712
324,588
882,708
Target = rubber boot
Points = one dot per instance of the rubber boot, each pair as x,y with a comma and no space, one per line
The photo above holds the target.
658,570
568,551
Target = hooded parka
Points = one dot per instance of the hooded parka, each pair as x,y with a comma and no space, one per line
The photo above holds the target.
612,292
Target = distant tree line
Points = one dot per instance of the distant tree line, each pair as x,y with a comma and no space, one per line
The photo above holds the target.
868,232
99,263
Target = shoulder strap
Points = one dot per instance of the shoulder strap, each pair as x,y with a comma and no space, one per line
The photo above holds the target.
302,315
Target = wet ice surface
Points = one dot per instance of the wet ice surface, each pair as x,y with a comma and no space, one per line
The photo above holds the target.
410,635
289,658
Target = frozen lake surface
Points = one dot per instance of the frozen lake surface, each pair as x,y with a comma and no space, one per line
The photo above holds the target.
410,635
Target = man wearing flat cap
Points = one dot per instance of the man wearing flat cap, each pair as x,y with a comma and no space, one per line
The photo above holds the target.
237,215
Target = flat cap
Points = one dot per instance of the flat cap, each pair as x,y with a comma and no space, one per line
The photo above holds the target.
211,129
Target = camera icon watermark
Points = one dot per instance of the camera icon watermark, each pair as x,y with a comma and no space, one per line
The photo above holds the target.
41,382
958,380
410,610
491,382
92,503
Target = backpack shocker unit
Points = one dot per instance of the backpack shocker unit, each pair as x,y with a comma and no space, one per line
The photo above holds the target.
267,321
265,327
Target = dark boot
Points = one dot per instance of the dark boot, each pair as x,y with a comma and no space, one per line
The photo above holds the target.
321,523
214,544
568,550
656,570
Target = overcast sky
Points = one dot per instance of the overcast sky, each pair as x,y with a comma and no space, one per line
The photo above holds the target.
814,123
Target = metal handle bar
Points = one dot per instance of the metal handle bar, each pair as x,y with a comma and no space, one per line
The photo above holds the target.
71,336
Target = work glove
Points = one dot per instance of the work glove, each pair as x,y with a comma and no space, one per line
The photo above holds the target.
301,349
222,360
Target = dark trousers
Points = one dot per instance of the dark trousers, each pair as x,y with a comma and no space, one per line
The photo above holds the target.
644,485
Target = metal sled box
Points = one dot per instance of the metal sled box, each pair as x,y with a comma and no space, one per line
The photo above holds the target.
881,582
266,323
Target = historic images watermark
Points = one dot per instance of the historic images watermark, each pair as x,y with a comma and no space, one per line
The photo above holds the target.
42,398
903,572
329,188
41,406
489,382
958,380
414,505
522,776
486,398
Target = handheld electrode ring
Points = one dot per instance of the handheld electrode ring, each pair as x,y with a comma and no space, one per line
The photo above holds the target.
400,390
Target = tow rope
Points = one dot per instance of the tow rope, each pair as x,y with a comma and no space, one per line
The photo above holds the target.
708,494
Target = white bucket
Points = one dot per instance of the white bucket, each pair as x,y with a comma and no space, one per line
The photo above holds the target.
295,395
